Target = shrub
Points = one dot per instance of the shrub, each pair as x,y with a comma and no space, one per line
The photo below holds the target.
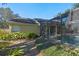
13,36
18,35
32,36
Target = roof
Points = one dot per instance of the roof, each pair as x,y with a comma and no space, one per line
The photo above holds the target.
64,15
30,21
77,9
41,20
58,17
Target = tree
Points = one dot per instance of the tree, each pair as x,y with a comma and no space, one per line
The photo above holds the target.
7,14
76,5
66,12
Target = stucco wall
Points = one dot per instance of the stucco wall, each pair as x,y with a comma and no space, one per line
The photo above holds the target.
25,27
75,20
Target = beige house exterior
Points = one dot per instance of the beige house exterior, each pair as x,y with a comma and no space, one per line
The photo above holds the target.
22,27
73,21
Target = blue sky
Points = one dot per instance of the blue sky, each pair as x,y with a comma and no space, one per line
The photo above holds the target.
38,10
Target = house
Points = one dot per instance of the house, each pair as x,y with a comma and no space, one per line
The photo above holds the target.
22,25
43,24
73,21
57,24
54,27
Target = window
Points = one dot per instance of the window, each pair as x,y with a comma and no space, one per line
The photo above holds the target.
16,28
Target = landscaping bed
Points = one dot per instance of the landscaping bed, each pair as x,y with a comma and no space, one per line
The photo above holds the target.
14,39
17,35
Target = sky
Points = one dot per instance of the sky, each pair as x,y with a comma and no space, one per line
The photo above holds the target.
38,10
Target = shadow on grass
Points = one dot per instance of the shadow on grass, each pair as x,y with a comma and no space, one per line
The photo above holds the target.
45,45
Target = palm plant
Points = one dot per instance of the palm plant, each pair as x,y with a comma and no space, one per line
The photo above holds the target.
15,52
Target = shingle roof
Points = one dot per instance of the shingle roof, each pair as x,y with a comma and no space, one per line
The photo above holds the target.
62,16
30,21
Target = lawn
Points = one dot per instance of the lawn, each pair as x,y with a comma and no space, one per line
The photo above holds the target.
60,50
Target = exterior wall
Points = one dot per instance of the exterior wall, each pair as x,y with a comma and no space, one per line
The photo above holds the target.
27,28
73,25
20,27
55,28
74,22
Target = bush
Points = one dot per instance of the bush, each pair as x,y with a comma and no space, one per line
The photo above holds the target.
18,35
13,36
32,36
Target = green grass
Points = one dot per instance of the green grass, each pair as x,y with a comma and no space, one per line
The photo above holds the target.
60,50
